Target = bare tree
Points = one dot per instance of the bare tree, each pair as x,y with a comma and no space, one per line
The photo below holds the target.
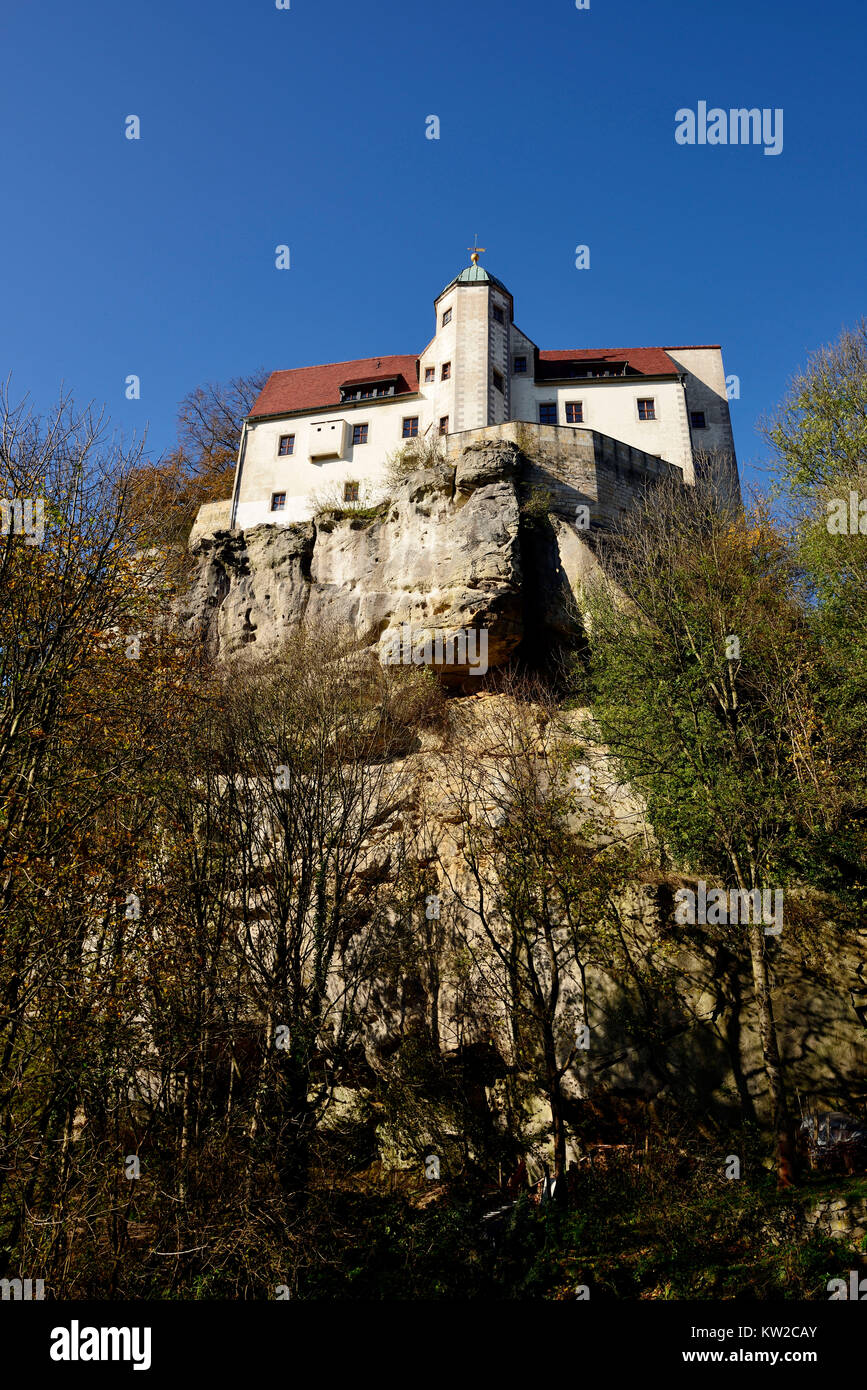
540,878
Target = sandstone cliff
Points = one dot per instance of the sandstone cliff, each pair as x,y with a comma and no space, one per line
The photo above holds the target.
444,553
491,540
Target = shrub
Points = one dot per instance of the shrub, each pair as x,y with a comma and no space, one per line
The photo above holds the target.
423,452
329,503
535,505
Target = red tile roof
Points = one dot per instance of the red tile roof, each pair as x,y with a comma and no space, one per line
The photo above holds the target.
649,361
317,388
314,388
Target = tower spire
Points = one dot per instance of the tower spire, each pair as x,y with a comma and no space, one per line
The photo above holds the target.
475,250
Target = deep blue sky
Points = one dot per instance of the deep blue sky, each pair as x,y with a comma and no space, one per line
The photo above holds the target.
307,127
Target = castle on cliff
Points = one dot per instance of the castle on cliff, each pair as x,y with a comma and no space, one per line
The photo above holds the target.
330,430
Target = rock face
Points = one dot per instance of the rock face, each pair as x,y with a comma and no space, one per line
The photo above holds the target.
673,1019
490,542
444,554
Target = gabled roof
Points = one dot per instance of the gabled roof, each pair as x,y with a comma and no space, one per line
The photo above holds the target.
315,388
647,361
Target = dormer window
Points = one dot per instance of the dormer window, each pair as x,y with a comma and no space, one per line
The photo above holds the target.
599,369
565,370
367,390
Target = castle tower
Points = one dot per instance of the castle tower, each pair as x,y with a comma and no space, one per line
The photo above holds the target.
332,429
473,335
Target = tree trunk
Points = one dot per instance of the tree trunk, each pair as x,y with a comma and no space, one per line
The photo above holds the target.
782,1121
555,1101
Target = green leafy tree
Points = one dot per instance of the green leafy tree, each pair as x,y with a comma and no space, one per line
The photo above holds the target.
702,666
819,441
819,432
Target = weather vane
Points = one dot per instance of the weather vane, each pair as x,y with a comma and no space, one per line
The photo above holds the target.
475,250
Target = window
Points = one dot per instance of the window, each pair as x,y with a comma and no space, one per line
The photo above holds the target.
646,409
430,373
574,412
499,317
410,427
367,390
548,413
520,365
350,492
447,317
444,424
287,445
698,419
359,434
278,501
498,381
446,371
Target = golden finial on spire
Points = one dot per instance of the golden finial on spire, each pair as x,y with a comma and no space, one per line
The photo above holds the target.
476,250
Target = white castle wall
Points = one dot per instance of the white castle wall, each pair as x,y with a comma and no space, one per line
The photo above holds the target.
475,345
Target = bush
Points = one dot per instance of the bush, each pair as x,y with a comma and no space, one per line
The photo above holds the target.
415,698
535,506
423,452
330,504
